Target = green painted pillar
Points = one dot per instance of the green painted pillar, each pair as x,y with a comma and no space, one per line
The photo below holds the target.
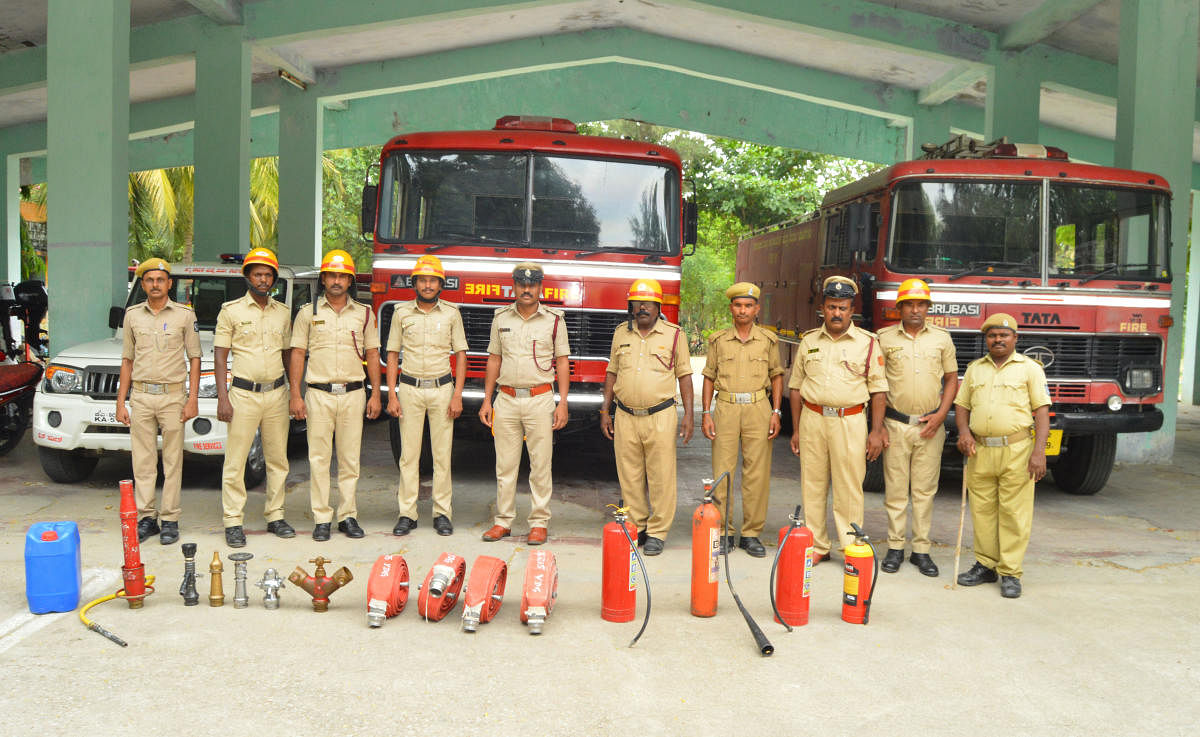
87,137
10,214
300,135
930,124
1189,381
1014,89
1156,96
222,144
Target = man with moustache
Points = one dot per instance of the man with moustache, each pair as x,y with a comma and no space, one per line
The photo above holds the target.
838,369
258,331
161,347
743,371
426,332
527,352
644,365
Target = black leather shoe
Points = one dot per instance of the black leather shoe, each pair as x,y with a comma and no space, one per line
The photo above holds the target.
923,563
978,574
404,525
321,532
652,546
147,528
442,525
350,527
753,546
726,544
641,538
235,537
280,528
1010,587
891,561
170,533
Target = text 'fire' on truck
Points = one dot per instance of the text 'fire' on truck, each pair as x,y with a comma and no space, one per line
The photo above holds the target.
1079,254
596,212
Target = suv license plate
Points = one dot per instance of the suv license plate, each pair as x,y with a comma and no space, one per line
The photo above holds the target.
105,417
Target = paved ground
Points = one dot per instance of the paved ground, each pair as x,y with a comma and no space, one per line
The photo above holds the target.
1104,641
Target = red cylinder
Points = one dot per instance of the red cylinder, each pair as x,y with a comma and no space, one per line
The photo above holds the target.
706,557
133,572
857,583
618,593
793,578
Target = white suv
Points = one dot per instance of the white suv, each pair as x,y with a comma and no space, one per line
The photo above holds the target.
75,412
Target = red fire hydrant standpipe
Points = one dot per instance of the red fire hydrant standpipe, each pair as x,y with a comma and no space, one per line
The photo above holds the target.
442,585
484,593
137,584
790,592
387,589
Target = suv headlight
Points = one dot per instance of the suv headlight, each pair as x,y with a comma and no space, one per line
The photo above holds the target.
208,385
63,379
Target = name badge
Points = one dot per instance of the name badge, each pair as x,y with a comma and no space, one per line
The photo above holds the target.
318,322
504,330
814,350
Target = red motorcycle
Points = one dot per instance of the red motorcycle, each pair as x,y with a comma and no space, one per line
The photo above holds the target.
21,357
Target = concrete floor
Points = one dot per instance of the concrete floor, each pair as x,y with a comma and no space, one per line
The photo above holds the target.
1104,640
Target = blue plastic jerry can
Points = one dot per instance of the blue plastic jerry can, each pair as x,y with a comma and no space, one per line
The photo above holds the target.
52,567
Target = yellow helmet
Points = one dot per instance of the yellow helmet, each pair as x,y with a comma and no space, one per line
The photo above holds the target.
913,289
152,264
645,290
262,256
338,261
429,265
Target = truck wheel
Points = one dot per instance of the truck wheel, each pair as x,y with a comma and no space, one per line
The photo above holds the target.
873,481
256,464
1087,463
66,466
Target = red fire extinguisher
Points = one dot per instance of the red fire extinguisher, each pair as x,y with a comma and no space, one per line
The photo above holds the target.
793,584
706,554
858,583
618,594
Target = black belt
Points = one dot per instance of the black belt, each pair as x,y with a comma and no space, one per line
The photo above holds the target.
352,386
250,386
665,404
426,383
901,417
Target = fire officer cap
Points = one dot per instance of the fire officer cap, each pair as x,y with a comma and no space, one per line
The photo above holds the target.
839,287
527,273
999,320
429,265
338,261
913,290
743,289
645,290
152,264
262,256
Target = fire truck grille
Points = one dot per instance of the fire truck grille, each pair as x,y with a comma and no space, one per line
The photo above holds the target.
1098,358
100,382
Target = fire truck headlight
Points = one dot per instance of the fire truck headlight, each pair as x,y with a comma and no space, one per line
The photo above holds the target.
1115,403
1139,379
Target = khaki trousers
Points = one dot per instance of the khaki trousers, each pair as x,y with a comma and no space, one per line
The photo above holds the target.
1001,493
749,425
267,413
832,449
334,418
911,468
417,405
645,451
531,418
148,414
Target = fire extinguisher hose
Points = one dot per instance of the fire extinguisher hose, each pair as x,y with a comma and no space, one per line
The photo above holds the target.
764,645
119,594
645,579
775,564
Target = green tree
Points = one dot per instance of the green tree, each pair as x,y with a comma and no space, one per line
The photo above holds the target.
342,200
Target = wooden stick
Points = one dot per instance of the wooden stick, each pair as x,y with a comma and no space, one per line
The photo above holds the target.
962,518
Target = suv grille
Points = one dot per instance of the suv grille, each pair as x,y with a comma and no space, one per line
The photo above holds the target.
1075,356
100,382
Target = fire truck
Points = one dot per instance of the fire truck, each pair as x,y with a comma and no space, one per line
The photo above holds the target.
1078,253
595,212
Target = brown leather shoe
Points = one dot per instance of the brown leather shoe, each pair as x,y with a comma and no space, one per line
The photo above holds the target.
537,536
818,557
496,533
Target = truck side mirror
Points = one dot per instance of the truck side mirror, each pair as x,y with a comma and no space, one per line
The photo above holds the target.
370,197
691,222
116,316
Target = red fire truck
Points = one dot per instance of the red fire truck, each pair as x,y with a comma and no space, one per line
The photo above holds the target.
1079,254
596,212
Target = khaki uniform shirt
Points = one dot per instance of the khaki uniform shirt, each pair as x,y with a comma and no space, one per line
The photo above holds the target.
1002,400
336,342
526,346
734,366
835,372
647,370
426,339
916,366
256,336
160,344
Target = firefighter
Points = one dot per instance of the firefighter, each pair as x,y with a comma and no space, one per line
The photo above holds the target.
644,365
161,347
922,378
426,331
338,335
258,331
742,370
1003,420
527,351
838,371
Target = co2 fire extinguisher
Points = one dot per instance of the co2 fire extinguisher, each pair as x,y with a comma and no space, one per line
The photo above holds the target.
792,587
621,564
706,554
861,573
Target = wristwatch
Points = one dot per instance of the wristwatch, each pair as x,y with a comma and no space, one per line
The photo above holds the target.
778,412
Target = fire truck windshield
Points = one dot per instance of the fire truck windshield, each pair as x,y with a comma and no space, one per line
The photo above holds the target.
535,200
1101,232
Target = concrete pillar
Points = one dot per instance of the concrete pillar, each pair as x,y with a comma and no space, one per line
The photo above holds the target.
300,136
10,214
87,136
222,144
1156,91
1190,379
931,124
1013,100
